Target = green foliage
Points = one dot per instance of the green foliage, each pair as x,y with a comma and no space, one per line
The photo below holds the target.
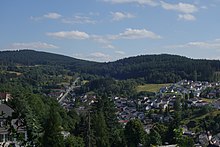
162,130
83,129
72,141
134,133
29,78
37,58
183,141
100,130
150,87
148,68
118,139
155,138
109,86
157,68
52,130
205,109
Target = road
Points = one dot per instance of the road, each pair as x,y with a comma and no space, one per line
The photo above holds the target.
68,90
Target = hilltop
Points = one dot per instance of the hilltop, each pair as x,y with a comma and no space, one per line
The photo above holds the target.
161,68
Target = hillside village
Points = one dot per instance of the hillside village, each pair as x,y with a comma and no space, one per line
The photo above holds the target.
147,109
158,109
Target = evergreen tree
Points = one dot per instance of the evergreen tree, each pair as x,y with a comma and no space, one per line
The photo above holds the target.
134,133
100,130
72,141
52,136
155,138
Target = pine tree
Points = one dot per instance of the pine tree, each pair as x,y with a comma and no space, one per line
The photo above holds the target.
100,130
155,138
52,135
134,133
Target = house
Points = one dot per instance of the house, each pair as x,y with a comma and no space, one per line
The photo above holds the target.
147,128
216,104
7,124
205,138
201,103
65,134
5,97
187,132
163,106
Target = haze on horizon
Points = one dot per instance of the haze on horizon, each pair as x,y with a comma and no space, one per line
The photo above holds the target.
107,30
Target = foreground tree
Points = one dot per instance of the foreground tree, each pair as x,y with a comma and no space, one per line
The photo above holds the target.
72,141
155,138
52,136
100,130
134,133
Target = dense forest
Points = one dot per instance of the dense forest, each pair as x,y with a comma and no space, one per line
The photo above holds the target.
162,68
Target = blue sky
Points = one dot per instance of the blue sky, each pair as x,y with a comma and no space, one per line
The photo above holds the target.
107,30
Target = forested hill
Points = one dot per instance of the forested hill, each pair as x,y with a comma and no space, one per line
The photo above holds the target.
31,57
147,68
160,68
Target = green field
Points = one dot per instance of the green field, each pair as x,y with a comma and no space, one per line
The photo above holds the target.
11,72
193,118
151,87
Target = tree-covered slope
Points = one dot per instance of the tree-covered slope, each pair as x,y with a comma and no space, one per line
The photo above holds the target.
147,68
159,68
31,57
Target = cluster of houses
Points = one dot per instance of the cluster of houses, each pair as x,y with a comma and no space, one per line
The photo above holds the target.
12,130
128,109
165,98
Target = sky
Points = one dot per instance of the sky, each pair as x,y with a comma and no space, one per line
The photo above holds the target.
108,30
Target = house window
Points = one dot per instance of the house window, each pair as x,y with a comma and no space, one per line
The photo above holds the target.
1,137
6,137
1,123
10,137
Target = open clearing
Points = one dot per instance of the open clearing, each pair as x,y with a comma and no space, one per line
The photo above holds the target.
151,87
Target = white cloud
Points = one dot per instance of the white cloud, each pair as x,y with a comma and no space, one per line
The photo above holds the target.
204,7
127,34
69,35
187,17
109,46
186,9
105,40
52,15
79,20
94,13
98,56
141,2
100,39
120,52
120,16
180,7
35,18
32,45
214,44
135,34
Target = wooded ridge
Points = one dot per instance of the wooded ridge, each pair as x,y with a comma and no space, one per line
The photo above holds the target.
162,68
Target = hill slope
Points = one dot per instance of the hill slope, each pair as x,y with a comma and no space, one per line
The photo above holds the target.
31,57
148,68
159,68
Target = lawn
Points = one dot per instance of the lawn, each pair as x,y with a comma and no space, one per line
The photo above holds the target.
11,72
151,87
208,100
196,119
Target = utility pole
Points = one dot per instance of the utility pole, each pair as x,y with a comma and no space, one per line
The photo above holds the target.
89,131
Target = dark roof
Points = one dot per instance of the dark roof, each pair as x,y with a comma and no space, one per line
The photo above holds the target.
5,111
